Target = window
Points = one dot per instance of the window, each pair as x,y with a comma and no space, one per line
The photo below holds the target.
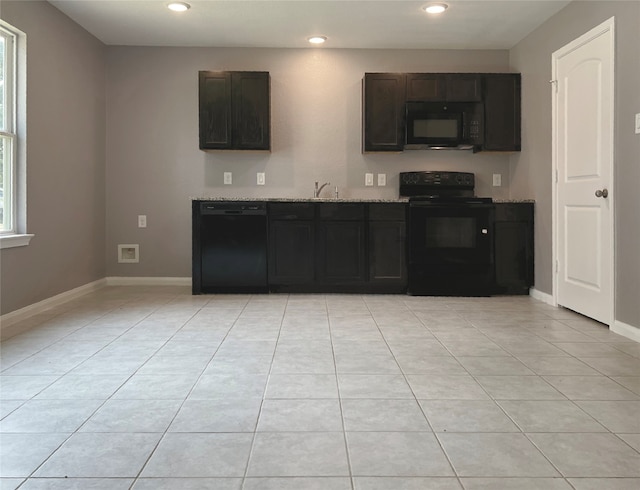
7,128
12,220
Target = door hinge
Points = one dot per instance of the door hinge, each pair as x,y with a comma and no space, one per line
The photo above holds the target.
555,84
557,266
556,176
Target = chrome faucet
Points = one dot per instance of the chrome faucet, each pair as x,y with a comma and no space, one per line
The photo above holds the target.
317,190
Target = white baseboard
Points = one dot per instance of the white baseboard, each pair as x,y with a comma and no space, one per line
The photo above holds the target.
618,327
625,330
540,296
12,318
148,281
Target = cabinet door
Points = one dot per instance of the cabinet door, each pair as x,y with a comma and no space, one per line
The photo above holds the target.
291,252
502,112
387,246
464,87
423,87
251,111
440,87
513,235
341,252
215,110
384,119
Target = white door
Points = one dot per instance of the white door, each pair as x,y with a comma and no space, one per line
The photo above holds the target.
583,153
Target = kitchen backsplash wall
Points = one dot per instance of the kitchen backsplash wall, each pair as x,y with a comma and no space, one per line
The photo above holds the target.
154,165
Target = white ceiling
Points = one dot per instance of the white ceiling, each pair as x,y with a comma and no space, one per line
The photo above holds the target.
470,24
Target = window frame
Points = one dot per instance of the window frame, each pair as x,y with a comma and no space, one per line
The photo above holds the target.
13,132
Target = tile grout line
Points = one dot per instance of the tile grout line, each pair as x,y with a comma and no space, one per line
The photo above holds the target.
264,393
166,431
344,429
100,406
415,399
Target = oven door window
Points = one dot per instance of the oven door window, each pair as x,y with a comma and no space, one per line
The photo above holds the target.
450,234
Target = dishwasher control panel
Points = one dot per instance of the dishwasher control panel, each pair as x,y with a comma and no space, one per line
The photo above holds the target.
235,207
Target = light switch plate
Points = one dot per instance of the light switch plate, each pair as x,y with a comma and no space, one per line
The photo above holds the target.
228,178
497,180
368,179
260,178
382,180
638,123
142,221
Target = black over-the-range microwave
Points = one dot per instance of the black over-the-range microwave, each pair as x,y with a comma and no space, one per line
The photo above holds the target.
444,125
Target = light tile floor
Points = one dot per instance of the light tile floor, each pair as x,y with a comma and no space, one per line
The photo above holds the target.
152,388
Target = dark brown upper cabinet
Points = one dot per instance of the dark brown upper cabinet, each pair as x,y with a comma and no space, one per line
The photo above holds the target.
502,112
444,87
385,96
383,114
234,110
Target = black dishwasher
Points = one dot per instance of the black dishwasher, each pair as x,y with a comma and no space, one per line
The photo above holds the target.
229,247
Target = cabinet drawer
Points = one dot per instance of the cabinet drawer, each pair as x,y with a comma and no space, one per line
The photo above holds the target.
291,210
387,211
341,211
514,211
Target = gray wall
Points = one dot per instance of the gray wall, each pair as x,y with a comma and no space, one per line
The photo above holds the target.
154,165
531,169
66,159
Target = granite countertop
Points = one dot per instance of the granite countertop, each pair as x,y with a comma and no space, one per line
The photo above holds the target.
296,199
514,200
323,199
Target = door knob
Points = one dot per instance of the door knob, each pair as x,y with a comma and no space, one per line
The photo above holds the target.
602,193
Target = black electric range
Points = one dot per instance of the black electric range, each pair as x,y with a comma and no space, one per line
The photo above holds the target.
450,238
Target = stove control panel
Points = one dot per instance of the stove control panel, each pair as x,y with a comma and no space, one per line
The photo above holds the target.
436,183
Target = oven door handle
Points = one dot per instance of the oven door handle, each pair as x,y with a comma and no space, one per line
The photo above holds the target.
457,205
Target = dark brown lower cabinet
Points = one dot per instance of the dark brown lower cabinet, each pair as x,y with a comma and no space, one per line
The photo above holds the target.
291,244
337,247
513,235
341,253
291,252
355,247
340,256
387,247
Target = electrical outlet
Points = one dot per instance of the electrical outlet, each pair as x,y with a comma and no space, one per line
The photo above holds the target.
638,123
368,179
260,178
142,221
228,178
497,180
382,180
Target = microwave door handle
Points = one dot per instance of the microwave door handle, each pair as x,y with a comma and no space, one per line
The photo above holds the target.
463,119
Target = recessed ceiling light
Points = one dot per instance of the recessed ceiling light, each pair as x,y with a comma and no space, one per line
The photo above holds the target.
435,8
178,6
317,39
